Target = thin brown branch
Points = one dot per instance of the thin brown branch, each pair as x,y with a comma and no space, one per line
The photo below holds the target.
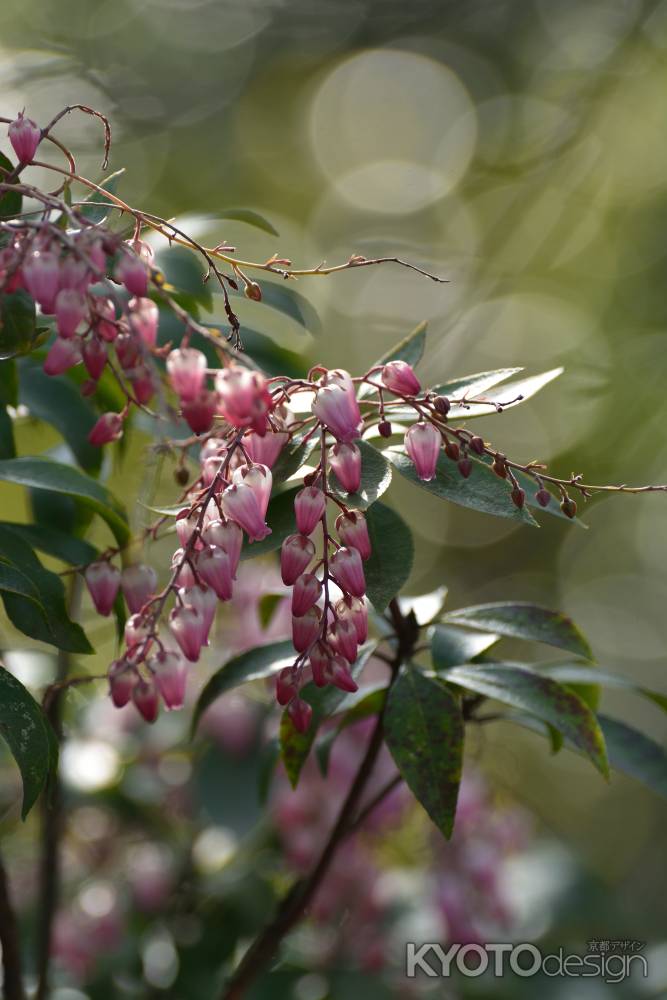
12,981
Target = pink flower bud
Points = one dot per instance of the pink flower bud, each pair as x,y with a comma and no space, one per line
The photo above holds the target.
243,398
355,610
260,481
143,384
345,460
186,577
242,505
94,355
136,635
204,600
399,377
95,250
343,638
305,593
170,673
300,713
228,536
143,316
295,555
319,664
336,406
63,355
133,273
210,467
74,274
138,583
41,276
286,685
340,676
106,327
186,523
186,368
199,413
122,679
349,573
108,428
265,450
25,137
215,569
187,627
103,581
422,443
70,309
309,507
145,698
305,629
353,532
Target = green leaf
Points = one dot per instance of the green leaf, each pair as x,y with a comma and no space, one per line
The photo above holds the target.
524,621
572,673
26,731
508,396
516,685
59,403
256,664
375,479
635,754
285,300
451,647
98,213
392,553
424,732
292,457
44,474
7,443
267,608
410,349
12,581
295,746
9,383
185,272
11,202
358,705
68,548
271,357
249,217
472,385
482,491
17,324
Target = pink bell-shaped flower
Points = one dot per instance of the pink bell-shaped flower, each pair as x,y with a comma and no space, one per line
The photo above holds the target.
295,555
399,377
74,274
422,443
204,600
103,581
137,635
241,504
187,627
25,137
260,480
340,676
146,699
265,450
132,272
170,673
108,428
138,583
228,536
309,507
343,638
286,685
186,577
243,398
319,664
214,567
122,678
199,413
336,406
354,609
62,355
353,531
143,384
349,573
106,327
300,712
41,275
305,593
345,460
305,629
186,368
94,355
70,308
143,316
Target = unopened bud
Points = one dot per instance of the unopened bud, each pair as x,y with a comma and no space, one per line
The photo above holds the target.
518,497
452,450
543,497
499,466
253,291
384,428
477,444
568,506
465,466
442,405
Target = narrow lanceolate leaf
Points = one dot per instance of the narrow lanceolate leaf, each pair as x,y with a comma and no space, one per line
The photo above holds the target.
452,647
375,479
25,729
44,474
184,272
285,300
424,731
410,349
572,673
256,664
295,746
67,548
482,490
249,217
508,396
392,553
7,443
635,754
524,621
99,211
472,385
528,691
58,402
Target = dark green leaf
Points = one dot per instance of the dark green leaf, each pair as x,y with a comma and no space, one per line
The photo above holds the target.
635,754
12,581
7,443
292,457
269,755
451,647
25,728
375,479
410,349
359,705
185,272
524,621
17,324
59,403
271,357
482,491
66,547
572,673
9,383
10,201
256,664
267,608
392,552
285,300
44,474
99,212
249,217
424,732
543,697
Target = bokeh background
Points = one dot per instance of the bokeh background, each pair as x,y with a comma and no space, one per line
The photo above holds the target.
518,147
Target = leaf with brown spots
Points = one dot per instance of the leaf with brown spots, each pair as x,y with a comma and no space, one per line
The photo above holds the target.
524,621
28,735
